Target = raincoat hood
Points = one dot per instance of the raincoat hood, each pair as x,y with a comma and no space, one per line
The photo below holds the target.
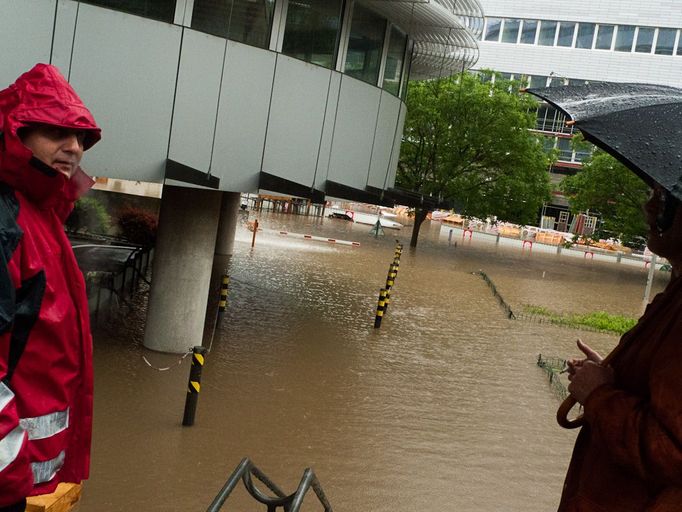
42,96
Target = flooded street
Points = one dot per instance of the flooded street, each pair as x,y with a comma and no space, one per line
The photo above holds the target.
443,408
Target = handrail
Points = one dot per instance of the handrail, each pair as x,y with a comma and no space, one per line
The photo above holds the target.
289,503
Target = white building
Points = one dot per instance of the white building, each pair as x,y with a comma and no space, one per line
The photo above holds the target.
549,43
217,97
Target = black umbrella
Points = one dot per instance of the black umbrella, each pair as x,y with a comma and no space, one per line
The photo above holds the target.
639,124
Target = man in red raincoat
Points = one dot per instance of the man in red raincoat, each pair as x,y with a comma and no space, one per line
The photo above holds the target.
45,341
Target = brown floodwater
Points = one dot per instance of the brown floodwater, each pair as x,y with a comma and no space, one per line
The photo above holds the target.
443,408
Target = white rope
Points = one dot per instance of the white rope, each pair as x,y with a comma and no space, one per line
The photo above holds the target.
167,367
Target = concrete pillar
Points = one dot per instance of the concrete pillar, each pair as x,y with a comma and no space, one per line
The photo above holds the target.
229,212
183,259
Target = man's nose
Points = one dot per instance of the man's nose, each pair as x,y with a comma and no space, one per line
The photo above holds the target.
72,143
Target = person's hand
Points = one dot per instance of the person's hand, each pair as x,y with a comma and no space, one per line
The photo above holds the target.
586,375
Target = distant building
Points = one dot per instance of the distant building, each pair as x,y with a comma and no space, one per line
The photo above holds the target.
548,43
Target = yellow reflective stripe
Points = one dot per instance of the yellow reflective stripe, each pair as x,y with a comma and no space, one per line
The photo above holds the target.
199,358
10,446
195,385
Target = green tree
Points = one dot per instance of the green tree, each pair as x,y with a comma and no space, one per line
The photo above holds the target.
606,187
468,140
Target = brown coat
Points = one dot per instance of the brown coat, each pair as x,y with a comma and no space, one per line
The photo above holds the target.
628,455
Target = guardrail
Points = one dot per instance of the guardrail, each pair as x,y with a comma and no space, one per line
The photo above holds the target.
246,470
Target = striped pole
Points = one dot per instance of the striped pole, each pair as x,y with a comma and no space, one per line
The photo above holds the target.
222,303
193,386
380,308
390,279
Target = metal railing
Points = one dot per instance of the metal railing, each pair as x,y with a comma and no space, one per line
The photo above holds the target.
246,470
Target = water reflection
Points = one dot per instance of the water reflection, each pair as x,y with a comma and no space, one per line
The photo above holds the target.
443,408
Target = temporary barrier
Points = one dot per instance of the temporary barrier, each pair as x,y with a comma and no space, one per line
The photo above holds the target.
554,367
507,309
246,470
314,238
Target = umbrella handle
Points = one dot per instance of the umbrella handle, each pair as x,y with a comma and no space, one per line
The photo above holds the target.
562,414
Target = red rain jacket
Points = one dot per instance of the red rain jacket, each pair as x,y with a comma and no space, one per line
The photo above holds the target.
45,342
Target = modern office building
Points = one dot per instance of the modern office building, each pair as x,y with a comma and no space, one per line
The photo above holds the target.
548,43
217,97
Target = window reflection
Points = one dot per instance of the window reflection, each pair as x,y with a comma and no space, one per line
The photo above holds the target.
312,31
246,21
566,31
163,10
394,61
530,28
510,32
366,40
625,38
492,31
547,32
585,36
665,41
604,37
645,40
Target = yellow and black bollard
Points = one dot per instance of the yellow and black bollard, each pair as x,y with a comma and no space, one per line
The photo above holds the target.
193,386
222,303
390,279
380,308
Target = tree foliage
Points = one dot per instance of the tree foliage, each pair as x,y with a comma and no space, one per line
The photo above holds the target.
467,140
605,186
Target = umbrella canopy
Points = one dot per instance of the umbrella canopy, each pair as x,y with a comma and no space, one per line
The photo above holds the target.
639,124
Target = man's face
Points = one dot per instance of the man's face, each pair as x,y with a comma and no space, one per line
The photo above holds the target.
60,148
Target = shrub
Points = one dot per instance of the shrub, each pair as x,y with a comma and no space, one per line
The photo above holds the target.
138,226
90,216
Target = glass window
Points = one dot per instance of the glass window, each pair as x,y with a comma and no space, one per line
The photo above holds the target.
537,81
547,32
394,60
565,149
557,81
240,20
548,144
645,40
625,38
665,41
312,31
585,36
566,31
510,32
604,37
492,29
530,28
365,43
679,45
406,67
163,10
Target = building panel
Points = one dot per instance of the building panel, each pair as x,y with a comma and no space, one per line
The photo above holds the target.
25,25
196,99
328,131
124,67
353,133
64,27
384,135
242,117
296,119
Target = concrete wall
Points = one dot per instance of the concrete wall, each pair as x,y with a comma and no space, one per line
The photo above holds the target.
162,91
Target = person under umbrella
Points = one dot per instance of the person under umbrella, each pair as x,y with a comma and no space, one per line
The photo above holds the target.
628,454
